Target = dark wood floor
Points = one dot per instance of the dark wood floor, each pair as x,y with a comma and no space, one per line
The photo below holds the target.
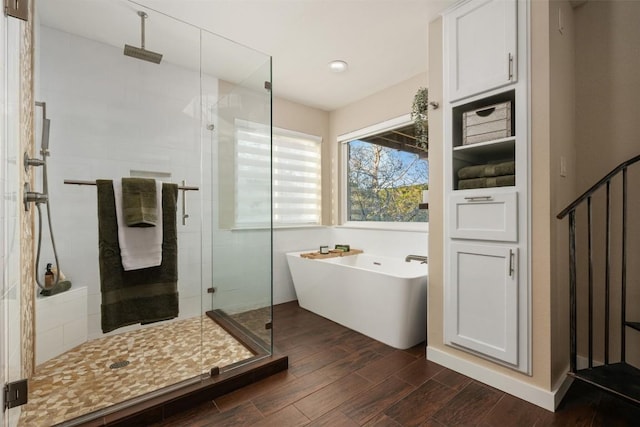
338,377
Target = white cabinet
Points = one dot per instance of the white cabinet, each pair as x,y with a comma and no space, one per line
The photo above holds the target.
480,46
486,215
483,292
487,182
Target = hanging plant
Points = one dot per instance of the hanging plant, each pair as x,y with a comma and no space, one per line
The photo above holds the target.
420,117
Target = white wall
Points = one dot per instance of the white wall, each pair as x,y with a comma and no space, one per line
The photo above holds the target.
111,114
379,242
293,240
391,243
387,104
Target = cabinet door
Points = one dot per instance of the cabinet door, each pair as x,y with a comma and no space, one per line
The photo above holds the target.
482,300
481,46
484,216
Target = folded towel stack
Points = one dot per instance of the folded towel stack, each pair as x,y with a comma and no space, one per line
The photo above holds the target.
140,247
487,176
139,202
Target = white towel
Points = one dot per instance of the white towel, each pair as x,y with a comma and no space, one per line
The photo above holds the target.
139,247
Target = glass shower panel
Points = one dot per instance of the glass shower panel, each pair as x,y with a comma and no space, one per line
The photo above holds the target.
239,109
10,206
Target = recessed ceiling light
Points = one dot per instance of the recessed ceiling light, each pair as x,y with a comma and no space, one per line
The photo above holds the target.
338,66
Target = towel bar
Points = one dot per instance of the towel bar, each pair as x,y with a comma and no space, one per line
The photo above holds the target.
80,182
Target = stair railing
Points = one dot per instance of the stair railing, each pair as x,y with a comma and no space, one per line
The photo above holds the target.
570,210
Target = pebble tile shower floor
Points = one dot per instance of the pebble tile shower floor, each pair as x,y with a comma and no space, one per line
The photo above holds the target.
82,380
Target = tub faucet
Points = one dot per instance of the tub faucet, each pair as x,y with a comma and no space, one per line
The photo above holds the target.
423,259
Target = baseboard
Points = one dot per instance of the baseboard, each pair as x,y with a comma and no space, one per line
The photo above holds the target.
561,388
546,399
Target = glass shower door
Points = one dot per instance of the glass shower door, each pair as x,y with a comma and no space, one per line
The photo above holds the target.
10,213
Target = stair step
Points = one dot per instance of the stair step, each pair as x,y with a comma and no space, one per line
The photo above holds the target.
634,325
618,378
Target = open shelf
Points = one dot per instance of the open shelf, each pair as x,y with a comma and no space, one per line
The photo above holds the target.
489,152
618,378
503,148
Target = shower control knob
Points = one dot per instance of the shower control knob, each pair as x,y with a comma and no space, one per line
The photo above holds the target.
32,197
31,162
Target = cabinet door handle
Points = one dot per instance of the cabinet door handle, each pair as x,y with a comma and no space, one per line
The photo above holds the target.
511,269
478,198
510,66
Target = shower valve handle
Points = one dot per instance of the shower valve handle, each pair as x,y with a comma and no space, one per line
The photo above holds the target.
27,161
32,197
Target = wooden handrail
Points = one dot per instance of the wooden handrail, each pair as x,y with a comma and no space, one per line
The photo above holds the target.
597,185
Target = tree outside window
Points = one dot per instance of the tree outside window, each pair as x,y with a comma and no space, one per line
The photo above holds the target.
384,183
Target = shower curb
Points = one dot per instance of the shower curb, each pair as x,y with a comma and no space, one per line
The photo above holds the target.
162,407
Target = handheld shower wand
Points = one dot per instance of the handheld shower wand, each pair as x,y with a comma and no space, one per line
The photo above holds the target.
39,198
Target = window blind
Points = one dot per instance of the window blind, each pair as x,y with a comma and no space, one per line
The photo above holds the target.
296,176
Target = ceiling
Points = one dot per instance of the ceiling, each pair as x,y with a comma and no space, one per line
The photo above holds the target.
384,41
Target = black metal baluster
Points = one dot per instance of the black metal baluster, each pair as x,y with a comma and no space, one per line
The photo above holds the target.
607,274
572,292
618,378
623,307
590,282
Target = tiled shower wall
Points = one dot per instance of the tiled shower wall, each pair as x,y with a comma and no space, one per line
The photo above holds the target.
110,115
27,290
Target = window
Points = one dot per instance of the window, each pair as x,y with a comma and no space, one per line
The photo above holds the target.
296,176
386,173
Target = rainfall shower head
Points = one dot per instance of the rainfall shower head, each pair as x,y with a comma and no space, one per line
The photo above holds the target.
141,52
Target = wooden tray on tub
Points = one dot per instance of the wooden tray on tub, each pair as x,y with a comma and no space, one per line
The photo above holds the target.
332,254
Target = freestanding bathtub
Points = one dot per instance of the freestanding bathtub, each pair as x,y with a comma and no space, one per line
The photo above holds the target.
381,297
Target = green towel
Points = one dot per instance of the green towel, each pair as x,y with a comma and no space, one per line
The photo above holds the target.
136,296
139,202
497,181
494,169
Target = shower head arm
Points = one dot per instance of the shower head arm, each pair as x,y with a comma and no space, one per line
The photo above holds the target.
143,16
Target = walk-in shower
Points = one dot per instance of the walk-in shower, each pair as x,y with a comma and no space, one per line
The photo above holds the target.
171,120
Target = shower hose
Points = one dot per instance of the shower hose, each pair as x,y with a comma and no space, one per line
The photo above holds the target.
45,191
